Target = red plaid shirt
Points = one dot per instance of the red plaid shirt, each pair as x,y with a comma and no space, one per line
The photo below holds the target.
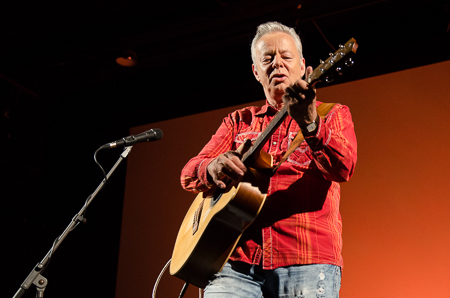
300,222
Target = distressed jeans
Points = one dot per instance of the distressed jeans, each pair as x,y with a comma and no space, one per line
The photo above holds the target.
238,279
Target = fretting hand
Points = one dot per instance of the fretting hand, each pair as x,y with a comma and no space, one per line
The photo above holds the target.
300,101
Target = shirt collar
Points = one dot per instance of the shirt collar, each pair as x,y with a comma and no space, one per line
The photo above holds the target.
267,109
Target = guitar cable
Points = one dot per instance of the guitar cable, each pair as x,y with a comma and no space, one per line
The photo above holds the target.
159,278
183,290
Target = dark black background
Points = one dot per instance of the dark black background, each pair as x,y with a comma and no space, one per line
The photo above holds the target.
62,96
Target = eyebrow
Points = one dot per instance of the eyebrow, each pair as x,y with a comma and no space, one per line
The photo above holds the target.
281,52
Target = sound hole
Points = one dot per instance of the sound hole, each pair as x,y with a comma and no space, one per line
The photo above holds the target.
216,197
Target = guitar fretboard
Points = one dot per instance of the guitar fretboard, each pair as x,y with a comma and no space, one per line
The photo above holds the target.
265,135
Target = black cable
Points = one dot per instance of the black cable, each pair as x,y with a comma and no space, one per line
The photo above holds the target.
183,290
101,168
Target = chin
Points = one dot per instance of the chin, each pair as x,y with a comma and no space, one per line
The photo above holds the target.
279,90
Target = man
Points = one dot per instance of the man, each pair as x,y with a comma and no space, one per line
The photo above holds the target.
293,249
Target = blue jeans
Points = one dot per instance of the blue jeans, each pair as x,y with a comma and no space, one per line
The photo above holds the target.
238,279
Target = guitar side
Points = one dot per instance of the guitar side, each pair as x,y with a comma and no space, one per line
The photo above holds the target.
198,255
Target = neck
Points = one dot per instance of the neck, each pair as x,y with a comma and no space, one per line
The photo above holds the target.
278,104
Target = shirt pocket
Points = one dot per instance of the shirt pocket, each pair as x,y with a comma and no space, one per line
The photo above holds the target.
244,135
301,155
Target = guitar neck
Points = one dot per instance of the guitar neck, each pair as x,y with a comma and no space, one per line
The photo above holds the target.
250,155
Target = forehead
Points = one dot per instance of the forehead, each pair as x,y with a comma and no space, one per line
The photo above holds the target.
277,41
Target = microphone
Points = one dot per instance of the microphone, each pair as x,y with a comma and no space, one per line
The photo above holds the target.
146,136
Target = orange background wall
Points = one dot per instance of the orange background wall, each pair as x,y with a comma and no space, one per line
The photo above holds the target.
394,209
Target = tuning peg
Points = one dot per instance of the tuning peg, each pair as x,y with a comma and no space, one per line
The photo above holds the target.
339,70
332,59
329,79
349,62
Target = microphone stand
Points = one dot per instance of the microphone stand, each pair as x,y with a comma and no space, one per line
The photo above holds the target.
35,276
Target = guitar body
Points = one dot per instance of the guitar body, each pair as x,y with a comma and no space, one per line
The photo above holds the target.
213,226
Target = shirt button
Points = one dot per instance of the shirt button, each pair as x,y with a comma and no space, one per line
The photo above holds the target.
274,143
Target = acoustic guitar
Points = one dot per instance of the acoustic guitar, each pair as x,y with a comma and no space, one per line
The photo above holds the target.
214,223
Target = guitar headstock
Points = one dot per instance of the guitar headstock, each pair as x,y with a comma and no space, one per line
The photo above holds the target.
334,63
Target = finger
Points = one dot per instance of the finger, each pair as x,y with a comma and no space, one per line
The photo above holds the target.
233,166
294,95
299,86
217,175
220,183
309,71
226,168
304,90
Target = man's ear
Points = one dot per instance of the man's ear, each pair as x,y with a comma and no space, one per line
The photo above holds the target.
303,67
255,73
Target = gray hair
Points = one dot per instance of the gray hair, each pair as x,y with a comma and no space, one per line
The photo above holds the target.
273,27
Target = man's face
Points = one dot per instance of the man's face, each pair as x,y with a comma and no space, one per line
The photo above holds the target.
277,65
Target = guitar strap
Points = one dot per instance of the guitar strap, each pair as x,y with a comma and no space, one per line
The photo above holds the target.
322,110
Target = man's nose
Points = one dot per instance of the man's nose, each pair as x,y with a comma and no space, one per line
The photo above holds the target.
277,61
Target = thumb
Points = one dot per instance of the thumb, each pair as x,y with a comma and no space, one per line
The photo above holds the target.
308,72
